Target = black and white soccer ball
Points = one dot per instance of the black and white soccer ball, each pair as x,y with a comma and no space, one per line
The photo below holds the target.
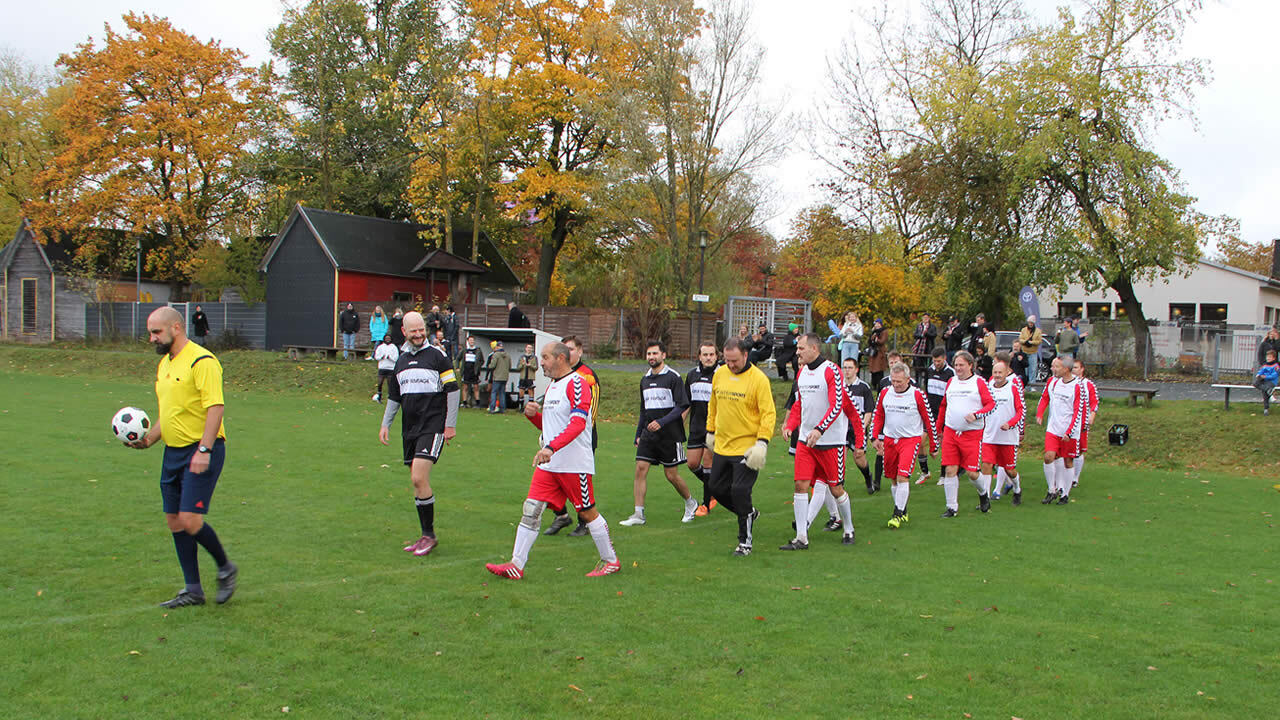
130,424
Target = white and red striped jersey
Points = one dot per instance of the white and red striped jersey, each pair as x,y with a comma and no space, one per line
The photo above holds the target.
1009,411
1091,399
903,415
565,421
820,404
1065,401
962,398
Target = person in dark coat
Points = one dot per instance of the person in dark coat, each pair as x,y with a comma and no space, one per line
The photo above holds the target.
1269,343
922,349
516,317
787,353
200,325
348,325
761,345
396,323
449,324
953,337
878,365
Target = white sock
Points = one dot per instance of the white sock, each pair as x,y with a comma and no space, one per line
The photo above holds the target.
640,510
829,502
1062,479
901,491
1001,478
821,497
846,513
951,486
1017,484
800,501
1079,467
524,541
984,484
1050,481
600,534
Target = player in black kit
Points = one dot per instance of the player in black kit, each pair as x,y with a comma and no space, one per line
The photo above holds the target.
660,430
697,386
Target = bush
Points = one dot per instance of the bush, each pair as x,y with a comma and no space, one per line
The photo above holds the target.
231,339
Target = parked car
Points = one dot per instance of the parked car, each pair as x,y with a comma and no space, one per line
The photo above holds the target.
1005,340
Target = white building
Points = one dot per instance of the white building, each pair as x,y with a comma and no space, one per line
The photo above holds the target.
1213,294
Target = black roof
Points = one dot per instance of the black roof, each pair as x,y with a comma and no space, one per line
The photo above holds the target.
387,247
24,234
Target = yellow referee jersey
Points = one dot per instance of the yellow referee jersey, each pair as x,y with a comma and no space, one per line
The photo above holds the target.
741,410
187,386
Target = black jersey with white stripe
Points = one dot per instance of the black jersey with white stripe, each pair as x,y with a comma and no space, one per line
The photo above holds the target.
697,385
424,378
662,398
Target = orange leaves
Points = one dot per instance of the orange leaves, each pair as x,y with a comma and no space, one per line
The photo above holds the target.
872,289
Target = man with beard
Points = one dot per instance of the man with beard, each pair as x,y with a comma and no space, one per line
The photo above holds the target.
660,431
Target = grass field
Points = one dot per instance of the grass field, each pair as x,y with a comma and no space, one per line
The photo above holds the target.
1152,596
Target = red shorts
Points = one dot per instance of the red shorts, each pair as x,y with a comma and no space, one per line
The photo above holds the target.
962,449
1060,446
1084,441
1005,456
824,464
900,456
555,489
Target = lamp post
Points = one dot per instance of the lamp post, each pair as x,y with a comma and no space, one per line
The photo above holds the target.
767,272
702,267
137,287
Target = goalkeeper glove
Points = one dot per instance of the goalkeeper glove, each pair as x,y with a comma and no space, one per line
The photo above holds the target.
755,456
711,442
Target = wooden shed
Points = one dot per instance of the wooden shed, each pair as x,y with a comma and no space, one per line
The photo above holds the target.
30,290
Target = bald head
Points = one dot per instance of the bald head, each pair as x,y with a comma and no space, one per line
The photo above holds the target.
415,328
166,330
164,315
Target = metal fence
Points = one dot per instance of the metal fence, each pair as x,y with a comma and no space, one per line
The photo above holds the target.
106,320
776,313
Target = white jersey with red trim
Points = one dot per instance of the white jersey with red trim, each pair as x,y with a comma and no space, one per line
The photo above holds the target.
1009,410
567,399
1065,401
965,397
902,415
820,404
1091,398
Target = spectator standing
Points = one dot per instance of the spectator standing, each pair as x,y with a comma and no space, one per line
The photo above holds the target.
1269,343
449,324
983,363
850,336
200,325
1019,362
977,332
1031,336
527,366
348,325
952,337
925,336
396,325
515,316
433,320
378,326
386,354
879,361
470,360
1067,341
1266,379
499,367
787,353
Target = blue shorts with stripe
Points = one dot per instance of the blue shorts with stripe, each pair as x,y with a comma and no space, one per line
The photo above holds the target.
184,491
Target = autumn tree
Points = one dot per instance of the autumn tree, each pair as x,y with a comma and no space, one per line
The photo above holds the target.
158,127
1239,253
870,289
30,133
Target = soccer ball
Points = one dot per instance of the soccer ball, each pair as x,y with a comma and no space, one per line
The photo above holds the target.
130,424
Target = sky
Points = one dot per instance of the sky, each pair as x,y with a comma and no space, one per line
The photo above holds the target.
1229,159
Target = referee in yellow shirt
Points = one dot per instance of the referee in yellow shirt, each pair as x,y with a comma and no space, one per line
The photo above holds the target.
189,390
740,421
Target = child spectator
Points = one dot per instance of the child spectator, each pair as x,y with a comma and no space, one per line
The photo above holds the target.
1266,379
386,354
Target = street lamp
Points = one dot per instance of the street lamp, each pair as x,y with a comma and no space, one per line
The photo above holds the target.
767,272
702,267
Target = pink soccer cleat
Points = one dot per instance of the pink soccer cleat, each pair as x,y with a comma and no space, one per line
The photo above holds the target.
414,544
605,568
425,546
506,570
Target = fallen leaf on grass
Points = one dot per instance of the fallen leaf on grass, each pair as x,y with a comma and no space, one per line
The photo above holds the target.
134,652
1152,667
578,658
760,617
922,676
796,587
967,715
993,608
926,617
39,593
910,697
575,687
284,709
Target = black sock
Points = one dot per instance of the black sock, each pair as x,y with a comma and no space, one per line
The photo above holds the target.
704,474
866,471
208,540
924,463
879,467
562,512
427,514
186,546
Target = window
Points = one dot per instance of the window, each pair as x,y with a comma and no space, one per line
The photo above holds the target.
1098,311
1182,313
28,306
1270,316
1070,309
1121,312
401,297
1213,312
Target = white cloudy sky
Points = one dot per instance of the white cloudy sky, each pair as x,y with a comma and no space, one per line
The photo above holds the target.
1231,162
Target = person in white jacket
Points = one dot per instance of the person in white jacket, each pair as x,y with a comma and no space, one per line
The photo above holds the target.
386,354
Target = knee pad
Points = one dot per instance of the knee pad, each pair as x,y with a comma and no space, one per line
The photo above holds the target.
531,514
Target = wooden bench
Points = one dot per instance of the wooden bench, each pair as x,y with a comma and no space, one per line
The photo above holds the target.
1133,393
1099,368
1226,392
297,351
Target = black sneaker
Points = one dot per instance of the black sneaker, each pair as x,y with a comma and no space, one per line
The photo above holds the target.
1048,498
848,540
832,525
876,487
949,513
183,599
1017,499
984,503
227,582
559,523
1064,500
795,544
580,530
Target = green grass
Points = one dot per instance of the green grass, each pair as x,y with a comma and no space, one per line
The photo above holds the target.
1151,596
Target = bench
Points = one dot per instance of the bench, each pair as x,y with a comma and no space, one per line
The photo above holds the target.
1099,368
1226,391
297,351
1133,393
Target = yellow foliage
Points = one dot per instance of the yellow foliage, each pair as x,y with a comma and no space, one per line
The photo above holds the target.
871,289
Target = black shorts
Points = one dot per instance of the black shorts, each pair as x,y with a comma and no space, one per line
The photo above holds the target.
526,384
387,373
184,491
470,376
658,450
427,446
697,438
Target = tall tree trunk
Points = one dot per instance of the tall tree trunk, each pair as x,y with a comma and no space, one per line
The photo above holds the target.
550,251
1133,309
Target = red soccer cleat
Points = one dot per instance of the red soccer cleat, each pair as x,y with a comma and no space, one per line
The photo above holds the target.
605,568
506,570
413,545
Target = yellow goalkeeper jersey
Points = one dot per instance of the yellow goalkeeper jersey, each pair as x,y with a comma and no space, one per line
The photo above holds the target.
741,410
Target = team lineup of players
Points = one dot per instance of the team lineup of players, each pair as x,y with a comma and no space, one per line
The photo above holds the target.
974,425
